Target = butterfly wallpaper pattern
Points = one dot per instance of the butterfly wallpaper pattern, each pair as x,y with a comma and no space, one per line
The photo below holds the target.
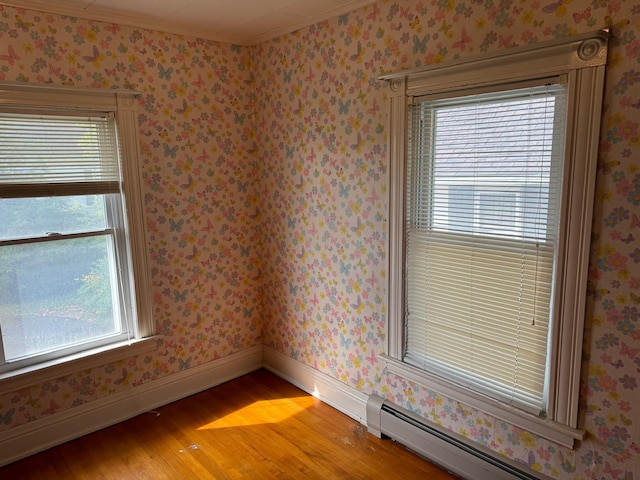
266,194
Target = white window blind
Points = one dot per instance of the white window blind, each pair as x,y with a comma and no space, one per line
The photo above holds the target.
57,154
483,199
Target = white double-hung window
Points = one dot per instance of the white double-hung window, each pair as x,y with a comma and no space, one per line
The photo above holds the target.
72,262
492,175
482,237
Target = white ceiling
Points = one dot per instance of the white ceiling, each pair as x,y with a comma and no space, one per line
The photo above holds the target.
245,22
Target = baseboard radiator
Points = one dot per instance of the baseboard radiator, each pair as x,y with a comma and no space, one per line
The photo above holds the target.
443,447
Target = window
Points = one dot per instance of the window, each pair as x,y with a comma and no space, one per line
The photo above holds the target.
492,180
70,274
481,238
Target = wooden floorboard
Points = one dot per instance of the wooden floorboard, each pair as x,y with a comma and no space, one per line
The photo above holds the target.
255,427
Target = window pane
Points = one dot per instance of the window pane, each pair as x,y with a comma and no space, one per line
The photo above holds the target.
491,166
57,293
34,217
497,211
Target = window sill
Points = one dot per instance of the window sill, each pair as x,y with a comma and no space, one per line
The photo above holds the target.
60,367
550,430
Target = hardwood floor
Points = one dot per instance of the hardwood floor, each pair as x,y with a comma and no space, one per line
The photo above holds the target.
255,427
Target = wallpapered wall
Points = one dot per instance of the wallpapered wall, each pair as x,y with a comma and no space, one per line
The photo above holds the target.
293,202
199,185
322,122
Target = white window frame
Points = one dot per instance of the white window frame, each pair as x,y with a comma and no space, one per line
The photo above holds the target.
123,106
582,60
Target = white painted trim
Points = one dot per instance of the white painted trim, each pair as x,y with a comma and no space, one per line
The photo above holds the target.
554,431
136,243
40,435
38,88
60,367
397,201
526,62
581,160
322,386
61,96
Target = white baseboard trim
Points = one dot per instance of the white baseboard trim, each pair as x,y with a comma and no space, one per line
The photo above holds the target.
40,435
331,391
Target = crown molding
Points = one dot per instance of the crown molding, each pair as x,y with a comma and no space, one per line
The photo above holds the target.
165,25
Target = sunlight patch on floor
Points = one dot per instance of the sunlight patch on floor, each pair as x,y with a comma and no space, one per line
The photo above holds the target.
262,412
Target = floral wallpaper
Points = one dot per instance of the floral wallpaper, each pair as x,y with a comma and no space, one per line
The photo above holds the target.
322,119
199,184
265,185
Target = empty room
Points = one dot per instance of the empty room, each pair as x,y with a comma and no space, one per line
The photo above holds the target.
320,239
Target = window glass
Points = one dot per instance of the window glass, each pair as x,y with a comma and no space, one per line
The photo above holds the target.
491,164
56,294
32,217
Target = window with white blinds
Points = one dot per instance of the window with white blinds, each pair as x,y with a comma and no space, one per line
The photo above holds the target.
483,196
74,281
491,189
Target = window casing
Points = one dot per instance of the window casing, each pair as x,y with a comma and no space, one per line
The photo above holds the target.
72,243
457,208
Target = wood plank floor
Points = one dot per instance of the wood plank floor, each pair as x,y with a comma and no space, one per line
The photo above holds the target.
255,427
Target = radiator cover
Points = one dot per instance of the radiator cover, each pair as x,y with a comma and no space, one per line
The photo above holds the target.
451,451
